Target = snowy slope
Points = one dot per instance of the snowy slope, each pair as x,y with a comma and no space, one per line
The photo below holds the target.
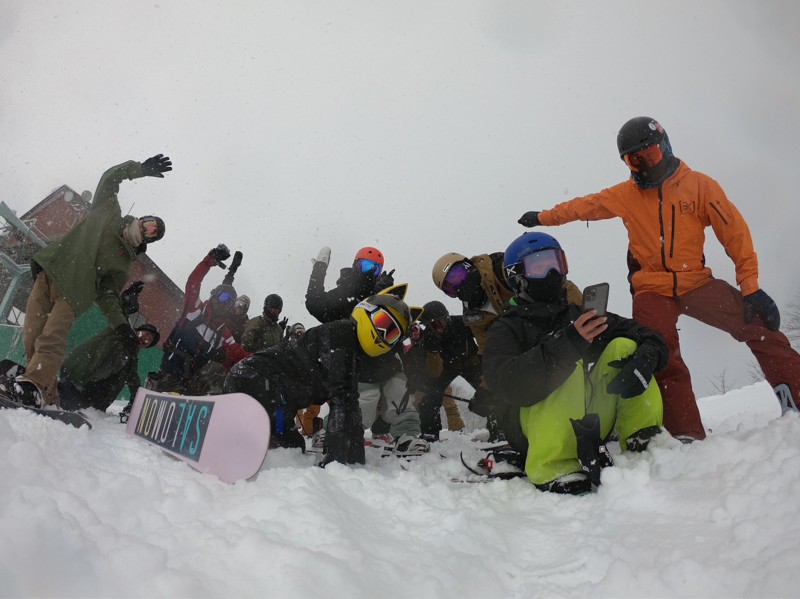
97,513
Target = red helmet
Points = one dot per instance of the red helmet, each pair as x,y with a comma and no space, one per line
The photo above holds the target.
369,253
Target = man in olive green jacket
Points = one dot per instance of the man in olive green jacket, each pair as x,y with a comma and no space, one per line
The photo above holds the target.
90,264
265,331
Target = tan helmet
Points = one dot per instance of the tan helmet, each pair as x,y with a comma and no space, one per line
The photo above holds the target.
443,265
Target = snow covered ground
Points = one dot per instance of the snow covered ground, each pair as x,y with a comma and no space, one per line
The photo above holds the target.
97,513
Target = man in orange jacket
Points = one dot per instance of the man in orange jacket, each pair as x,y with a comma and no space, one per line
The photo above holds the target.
666,207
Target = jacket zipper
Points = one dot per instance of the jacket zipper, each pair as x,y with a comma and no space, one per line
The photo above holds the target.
720,213
663,241
672,235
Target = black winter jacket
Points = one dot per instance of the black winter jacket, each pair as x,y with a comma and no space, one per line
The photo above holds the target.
321,364
327,306
532,349
456,344
338,303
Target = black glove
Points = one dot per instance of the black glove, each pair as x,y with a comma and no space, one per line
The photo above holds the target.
760,304
384,280
283,323
635,374
483,402
530,219
129,299
235,263
220,253
128,337
153,167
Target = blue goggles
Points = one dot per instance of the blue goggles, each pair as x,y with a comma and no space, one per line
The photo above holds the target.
226,298
369,266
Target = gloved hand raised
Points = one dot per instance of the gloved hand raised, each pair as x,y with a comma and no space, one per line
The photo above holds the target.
283,323
636,372
155,166
760,304
323,256
384,280
530,219
220,253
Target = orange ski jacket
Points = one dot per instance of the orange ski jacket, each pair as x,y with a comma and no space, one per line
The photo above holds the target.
666,230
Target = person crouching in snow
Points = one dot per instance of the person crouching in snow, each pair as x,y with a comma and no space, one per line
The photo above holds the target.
323,365
537,362
95,372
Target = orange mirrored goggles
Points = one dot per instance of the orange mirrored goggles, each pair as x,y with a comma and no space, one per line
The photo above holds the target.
388,328
643,159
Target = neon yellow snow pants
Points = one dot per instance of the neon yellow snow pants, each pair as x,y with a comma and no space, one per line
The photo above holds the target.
552,447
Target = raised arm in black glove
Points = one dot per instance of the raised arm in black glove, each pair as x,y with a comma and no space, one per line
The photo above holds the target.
156,166
384,280
530,219
235,263
283,323
636,371
759,303
220,253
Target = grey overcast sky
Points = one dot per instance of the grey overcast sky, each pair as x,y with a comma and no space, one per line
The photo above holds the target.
420,127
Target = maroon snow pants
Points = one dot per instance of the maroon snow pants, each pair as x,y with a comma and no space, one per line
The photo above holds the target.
720,305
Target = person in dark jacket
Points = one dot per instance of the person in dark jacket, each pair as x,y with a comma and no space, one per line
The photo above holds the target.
480,283
537,362
323,365
90,264
449,338
383,389
239,318
95,371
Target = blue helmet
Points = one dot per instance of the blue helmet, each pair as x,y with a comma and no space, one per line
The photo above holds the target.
536,266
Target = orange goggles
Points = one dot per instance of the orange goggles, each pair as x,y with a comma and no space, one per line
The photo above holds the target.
388,328
643,159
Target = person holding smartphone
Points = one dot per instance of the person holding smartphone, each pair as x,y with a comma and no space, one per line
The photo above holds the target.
566,378
666,207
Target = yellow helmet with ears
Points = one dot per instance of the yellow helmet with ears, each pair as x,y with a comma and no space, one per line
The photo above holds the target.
383,320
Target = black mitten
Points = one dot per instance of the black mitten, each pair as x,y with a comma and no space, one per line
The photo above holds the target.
636,371
530,219
759,303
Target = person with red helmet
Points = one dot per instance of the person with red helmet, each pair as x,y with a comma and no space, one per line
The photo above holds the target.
383,387
364,278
